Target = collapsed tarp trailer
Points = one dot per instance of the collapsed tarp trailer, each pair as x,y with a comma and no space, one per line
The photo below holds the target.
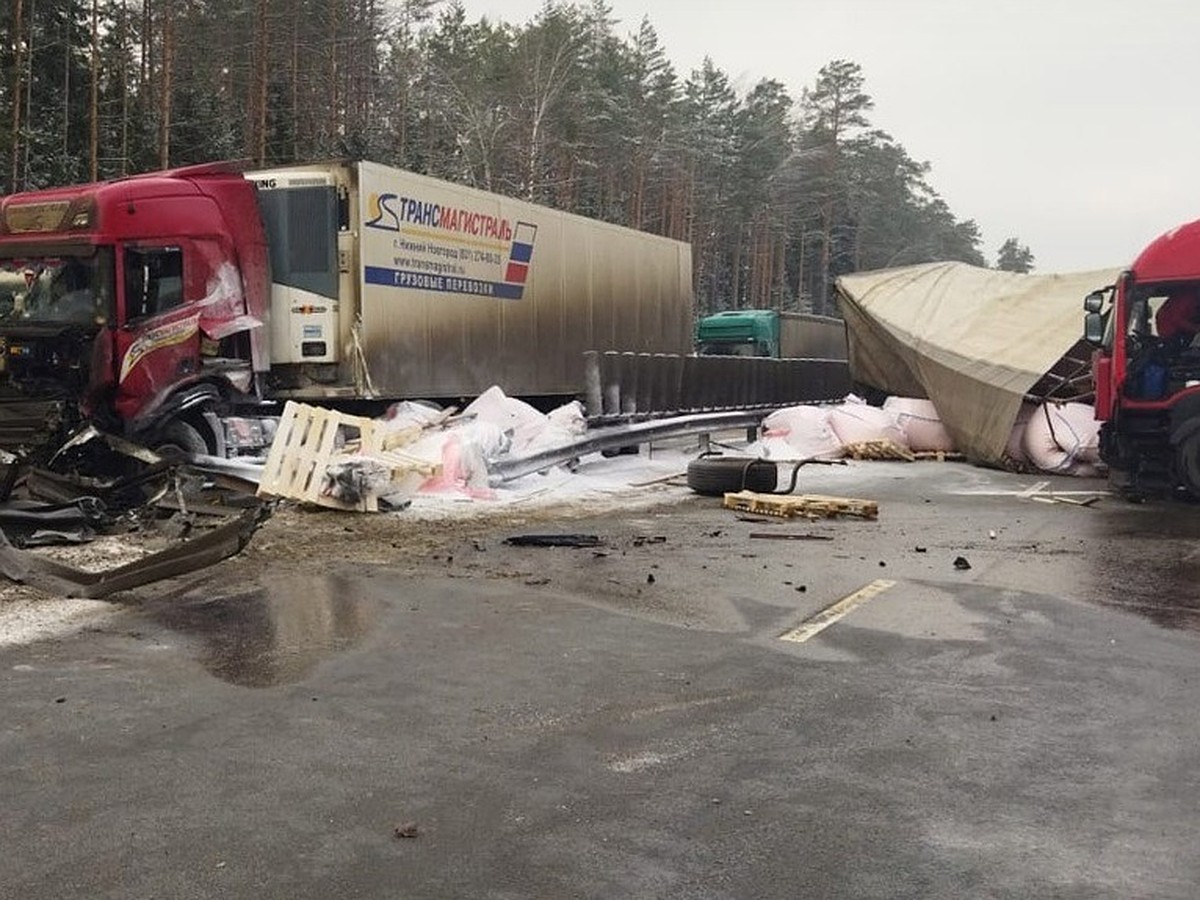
977,342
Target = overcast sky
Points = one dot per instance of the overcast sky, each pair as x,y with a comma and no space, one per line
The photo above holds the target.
1073,125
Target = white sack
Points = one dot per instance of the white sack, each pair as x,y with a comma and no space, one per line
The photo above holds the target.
855,422
518,418
464,471
805,430
921,424
561,426
1063,439
406,412
1014,450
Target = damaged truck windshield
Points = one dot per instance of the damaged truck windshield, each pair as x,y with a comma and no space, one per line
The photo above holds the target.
61,289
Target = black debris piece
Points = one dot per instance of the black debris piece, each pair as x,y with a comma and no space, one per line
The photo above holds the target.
553,540
642,541
961,563
787,536
48,537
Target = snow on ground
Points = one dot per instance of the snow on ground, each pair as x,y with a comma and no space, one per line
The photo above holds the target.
26,616
597,485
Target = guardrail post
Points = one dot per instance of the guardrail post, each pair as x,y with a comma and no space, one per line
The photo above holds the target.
645,383
673,386
629,384
593,395
611,381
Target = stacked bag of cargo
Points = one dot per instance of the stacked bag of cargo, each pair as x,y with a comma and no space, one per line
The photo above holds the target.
1060,438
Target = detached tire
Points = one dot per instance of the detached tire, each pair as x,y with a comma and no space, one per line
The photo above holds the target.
714,476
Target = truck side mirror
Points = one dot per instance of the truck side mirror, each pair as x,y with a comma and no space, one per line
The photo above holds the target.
1094,302
1093,327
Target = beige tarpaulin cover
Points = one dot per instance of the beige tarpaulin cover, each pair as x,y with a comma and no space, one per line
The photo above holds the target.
972,340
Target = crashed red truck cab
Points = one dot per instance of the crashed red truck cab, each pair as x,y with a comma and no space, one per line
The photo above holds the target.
178,308
100,318
1148,387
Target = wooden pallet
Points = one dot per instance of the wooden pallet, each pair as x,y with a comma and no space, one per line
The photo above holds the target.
938,456
883,449
306,445
809,506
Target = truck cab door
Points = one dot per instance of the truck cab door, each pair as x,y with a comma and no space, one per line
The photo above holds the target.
158,343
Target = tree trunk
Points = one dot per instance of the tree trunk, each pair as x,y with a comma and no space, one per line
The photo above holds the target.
94,102
18,47
164,103
261,70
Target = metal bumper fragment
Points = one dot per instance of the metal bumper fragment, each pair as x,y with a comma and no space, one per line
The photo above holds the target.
205,550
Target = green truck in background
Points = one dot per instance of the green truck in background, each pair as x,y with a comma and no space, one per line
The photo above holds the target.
770,333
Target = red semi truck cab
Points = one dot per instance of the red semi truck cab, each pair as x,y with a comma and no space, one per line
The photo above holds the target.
179,308
1148,384
132,302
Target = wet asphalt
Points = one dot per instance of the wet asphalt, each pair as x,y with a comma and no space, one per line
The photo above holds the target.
625,720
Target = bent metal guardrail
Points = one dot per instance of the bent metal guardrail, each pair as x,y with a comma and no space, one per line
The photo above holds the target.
630,387
614,436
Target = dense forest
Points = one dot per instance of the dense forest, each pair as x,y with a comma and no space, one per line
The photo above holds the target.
777,194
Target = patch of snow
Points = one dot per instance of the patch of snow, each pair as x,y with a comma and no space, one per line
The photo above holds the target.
27,617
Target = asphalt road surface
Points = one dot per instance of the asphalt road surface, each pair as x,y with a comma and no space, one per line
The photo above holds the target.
685,710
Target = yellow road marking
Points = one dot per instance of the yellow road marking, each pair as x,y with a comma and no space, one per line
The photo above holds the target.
830,614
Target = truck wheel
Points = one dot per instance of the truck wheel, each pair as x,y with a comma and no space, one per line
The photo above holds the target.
1187,463
180,439
717,475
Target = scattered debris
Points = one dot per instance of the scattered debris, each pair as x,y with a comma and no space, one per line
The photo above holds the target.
679,479
553,540
920,549
784,536
1070,501
810,506
961,563
47,537
642,541
406,830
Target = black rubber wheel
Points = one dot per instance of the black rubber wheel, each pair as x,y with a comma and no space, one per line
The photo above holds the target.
179,439
1187,463
717,475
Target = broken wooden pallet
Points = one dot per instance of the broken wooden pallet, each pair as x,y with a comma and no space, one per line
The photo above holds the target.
883,449
304,446
811,506
938,456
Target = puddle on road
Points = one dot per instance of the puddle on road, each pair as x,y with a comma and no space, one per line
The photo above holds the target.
272,635
1147,561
